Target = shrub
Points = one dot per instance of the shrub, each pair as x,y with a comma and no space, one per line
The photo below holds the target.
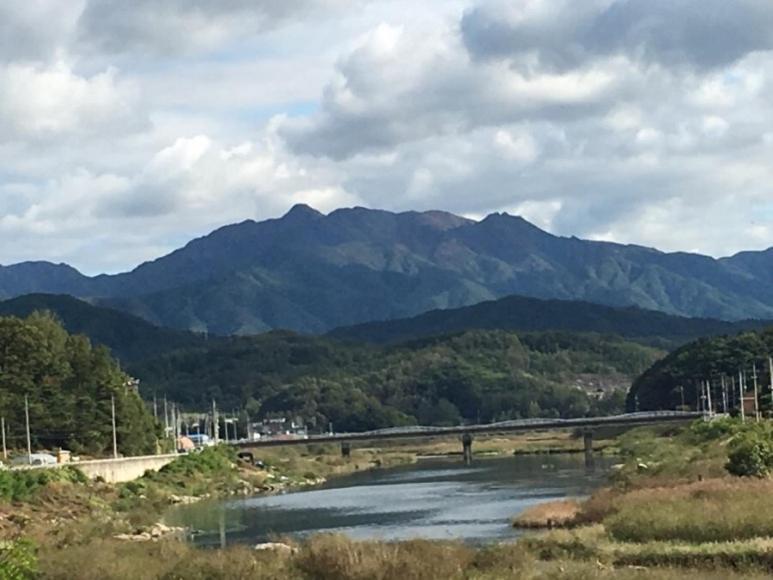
20,485
751,454
17,560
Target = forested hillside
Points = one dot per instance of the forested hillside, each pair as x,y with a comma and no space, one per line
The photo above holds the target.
69,385
520,313
681,372
474,376
128,337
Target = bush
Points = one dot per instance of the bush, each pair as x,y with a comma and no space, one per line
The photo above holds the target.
17,560
20,485
751,454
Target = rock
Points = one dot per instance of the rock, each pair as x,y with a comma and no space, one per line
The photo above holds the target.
157,532
183,499
276,547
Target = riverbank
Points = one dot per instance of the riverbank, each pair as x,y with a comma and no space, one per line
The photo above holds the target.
671,511
698,498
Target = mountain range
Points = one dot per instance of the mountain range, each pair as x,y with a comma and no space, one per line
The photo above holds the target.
312,272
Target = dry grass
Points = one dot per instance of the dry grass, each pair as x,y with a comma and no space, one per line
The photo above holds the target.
113,560
338,558
551,514
708,511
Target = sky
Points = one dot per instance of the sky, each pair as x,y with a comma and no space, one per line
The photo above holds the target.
129,128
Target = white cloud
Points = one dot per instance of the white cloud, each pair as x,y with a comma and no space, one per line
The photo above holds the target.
128,128
38,102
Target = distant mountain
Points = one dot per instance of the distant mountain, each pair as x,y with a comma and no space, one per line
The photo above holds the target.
128,337
312,272
522,314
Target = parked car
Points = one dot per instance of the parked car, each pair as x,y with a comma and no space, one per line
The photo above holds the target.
201,440
34,459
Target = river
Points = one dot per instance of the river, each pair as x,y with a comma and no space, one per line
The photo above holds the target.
433,499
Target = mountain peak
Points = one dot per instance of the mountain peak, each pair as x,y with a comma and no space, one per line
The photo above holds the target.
301,210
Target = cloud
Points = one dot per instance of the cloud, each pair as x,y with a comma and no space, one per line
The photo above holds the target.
128,128
43,101
35,30
189,187
564,34
395,87
185,26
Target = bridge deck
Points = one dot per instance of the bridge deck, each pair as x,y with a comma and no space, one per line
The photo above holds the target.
632,420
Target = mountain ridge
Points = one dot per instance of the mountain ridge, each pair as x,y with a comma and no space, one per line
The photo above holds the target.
311,272
523,314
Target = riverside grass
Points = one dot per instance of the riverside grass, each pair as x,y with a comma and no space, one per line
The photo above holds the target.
548,514
339,558
596,549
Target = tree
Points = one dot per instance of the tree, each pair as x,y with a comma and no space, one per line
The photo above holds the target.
70,386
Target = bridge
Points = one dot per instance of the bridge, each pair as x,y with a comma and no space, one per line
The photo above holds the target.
586,424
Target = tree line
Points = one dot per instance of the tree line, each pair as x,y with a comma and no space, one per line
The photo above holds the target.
68,386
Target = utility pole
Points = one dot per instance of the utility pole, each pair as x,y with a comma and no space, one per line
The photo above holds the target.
756,393
115,437
215,423
27,421
724,394
155,407
708,398
740,391
770,375
2,426
681,392
166,418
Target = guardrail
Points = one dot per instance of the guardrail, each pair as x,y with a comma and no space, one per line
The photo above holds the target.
519,425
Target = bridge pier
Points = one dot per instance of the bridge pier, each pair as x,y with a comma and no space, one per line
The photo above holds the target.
467,448
587,439
346,449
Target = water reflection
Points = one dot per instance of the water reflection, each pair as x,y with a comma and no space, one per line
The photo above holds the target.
436,499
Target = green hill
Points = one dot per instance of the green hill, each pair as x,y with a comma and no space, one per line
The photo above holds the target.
128,337
519,313
474,376
680,373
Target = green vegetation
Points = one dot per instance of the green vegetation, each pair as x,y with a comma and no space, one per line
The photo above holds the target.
23,484
128,337
18,560
751,452
523,314
672,512
674,503
69,385
475,376
678,374
338,558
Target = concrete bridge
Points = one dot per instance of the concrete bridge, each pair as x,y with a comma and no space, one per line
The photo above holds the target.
467,432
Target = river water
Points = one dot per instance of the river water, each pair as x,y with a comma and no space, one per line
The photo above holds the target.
433,499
